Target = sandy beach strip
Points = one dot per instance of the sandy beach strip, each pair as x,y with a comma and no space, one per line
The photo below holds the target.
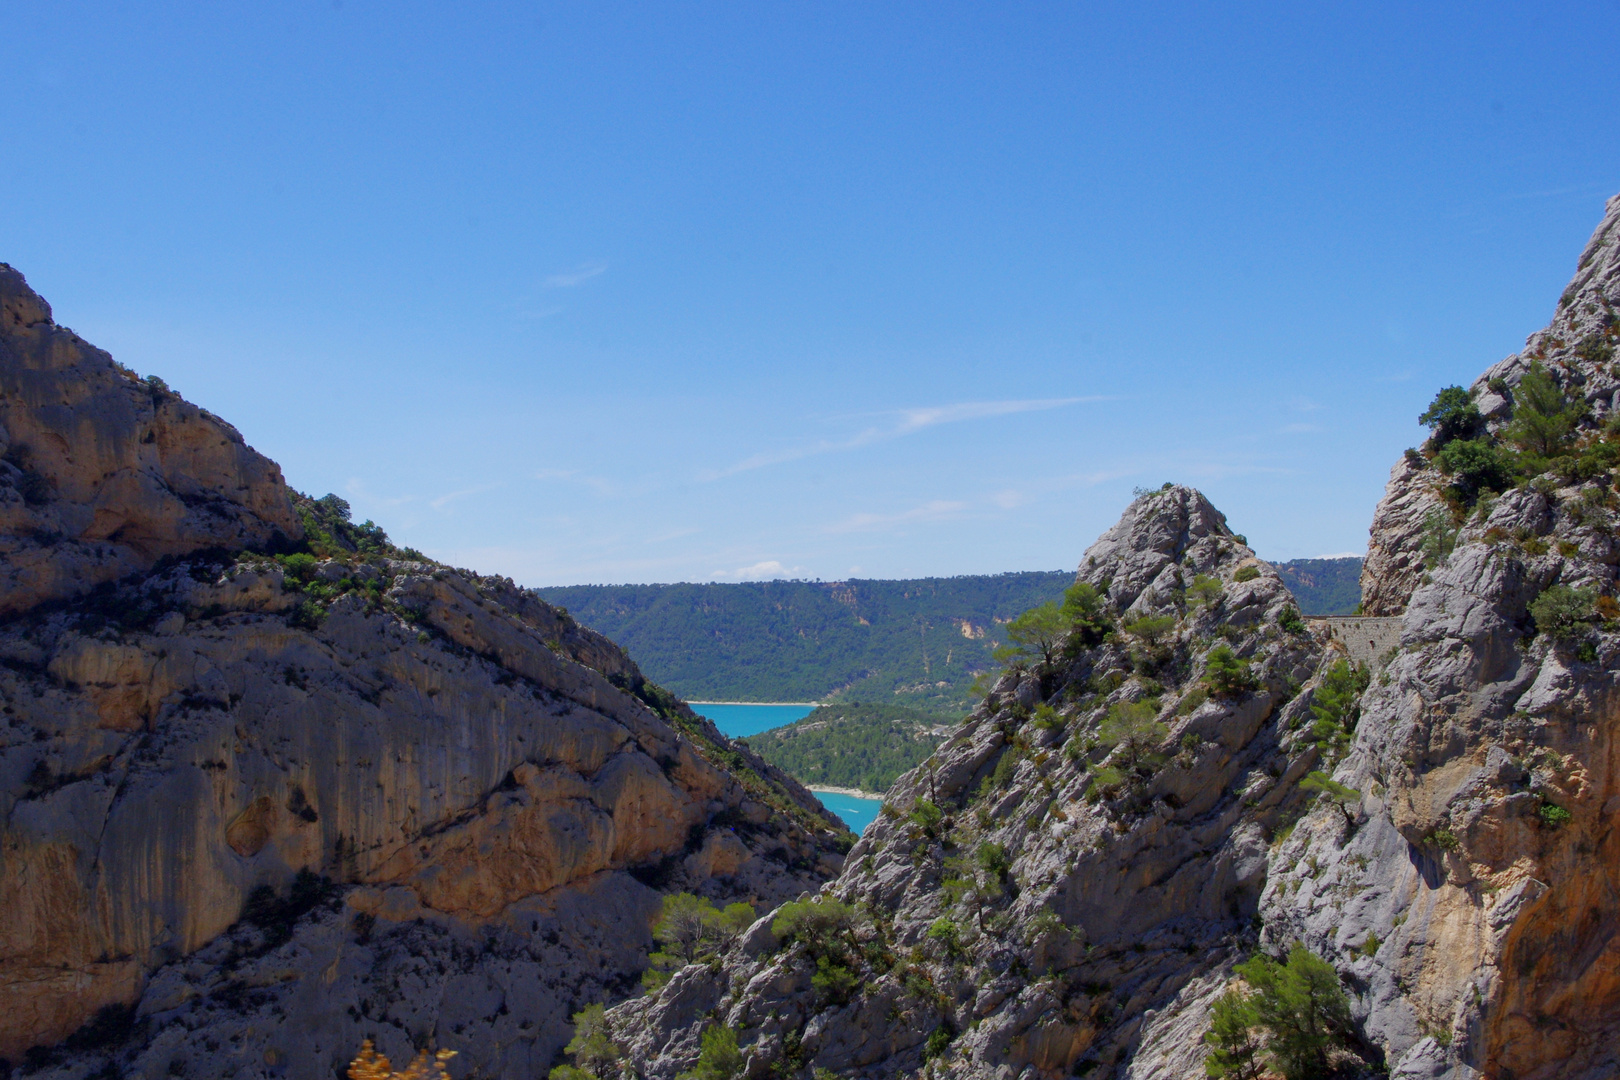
856,792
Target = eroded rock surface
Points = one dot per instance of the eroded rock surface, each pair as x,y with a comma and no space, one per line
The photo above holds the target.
1124,899
1477,900
495,795
1466,889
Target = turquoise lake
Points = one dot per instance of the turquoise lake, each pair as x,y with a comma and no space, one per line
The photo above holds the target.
741,721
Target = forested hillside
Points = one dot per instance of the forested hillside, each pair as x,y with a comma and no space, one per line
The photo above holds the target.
920,641
1323,586
853,746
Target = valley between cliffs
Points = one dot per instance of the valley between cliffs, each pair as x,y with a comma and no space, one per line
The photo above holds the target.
273,785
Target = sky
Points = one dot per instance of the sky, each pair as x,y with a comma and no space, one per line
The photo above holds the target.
710,292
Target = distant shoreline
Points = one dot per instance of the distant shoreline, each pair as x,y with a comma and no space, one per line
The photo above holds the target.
856,792
796,704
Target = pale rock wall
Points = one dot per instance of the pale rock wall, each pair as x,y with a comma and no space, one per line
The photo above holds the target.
488,783
101,474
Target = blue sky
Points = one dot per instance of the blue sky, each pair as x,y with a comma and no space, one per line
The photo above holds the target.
602,293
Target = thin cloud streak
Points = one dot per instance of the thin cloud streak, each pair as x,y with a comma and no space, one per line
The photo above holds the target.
933,511
577,276
908,422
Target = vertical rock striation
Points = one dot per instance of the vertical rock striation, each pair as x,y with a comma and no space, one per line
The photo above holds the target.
253,810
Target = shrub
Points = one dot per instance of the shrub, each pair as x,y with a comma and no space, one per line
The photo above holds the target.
1134,732
1562,612
1191,700
690,929
825,926
939,1040
1595,349
1555,815
833,982
719,1059
1543,418
1475,466
1301,1008
1451,415
1086,612
949,935
1336,705
1226,675
1203,590
1151,628
927,817
1247,573
1290,622
299,566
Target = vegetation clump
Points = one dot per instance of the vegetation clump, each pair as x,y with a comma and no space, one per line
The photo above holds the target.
1564,613
857,746
1336,705
690,929
1290,1019
1226,675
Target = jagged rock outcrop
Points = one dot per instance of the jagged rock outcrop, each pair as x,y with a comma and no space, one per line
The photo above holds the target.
1476,901
494,792
102,474
1042,897
1462,877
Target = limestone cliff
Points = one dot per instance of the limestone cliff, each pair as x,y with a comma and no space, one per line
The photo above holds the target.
1476,900
1041,898
493,795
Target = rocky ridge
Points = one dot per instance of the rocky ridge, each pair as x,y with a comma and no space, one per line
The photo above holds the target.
1012,916
1040,898
259,803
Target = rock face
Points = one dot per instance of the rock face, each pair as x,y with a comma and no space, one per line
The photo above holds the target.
1018,911
1478,900
494,795
1032,906
101,474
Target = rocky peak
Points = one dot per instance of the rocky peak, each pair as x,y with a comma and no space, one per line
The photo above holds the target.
1067,880
271,785
1576,350
102,473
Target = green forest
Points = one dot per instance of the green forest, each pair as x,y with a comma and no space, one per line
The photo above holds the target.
853,746
918,642
1323,586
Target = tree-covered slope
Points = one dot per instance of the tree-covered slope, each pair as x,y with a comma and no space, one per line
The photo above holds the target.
854,746
916,642
1323,586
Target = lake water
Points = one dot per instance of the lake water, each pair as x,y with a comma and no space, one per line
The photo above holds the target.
741,721
855,811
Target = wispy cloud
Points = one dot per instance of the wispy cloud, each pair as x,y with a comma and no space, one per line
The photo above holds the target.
577,276
445,500
899,423
768,570
573,476
932,511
